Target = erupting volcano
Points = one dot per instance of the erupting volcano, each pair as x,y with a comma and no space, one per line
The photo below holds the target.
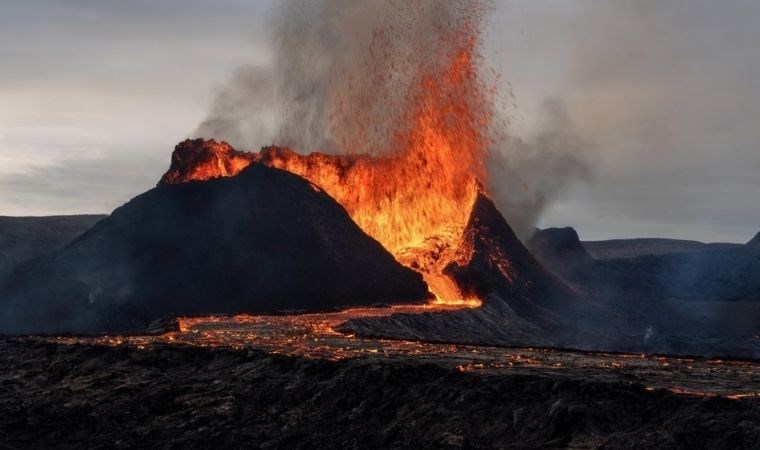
409,171
415,198
420,221
330,258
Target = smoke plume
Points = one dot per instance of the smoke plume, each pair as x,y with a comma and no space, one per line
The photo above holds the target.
341,80
340,75
526,175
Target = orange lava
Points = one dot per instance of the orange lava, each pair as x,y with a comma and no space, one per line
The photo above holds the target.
416,198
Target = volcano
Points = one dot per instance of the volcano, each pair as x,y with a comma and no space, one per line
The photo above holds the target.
478,258
262,241
523,303
470,256
227,231
416,205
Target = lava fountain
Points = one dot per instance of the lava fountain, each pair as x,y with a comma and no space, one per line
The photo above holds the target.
416,198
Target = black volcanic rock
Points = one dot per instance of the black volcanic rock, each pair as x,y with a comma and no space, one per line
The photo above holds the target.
558,243
498,263
559,249
85,396
262,241
524,304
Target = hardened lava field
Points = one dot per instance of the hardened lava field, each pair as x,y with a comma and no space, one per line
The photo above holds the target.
313,336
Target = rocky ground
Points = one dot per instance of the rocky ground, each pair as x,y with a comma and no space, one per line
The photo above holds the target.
175,396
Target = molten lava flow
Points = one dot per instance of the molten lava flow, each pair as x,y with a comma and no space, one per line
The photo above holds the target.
314,336
419,221
416,200
204,160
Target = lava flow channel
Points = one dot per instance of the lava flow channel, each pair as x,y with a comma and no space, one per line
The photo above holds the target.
313,336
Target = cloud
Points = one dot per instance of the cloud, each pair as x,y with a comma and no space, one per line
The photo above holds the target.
79,185
668,93
96,94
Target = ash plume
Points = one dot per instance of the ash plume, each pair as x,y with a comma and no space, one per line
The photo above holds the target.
340,75
238,114
340,78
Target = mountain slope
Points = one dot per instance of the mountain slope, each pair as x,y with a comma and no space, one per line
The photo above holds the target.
755,242
560,250
523,303
23,238
264,240
559,244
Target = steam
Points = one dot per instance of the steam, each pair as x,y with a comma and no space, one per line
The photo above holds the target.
340,78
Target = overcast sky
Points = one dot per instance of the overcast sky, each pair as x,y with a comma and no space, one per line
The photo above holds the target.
94,95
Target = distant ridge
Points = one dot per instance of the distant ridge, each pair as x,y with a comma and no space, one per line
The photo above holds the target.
23,238
633,248
558,247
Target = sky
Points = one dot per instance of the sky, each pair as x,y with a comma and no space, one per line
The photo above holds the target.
665,96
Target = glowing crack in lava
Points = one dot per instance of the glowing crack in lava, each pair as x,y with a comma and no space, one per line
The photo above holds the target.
415,200
314,336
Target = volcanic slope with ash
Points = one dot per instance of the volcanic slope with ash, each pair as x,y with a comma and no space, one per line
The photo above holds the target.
523,303
264,240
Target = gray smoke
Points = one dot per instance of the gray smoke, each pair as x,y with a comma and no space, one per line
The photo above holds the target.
339,81
526,175
340,74
241,111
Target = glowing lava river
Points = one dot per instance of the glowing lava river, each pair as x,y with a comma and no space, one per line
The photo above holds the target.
313,336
